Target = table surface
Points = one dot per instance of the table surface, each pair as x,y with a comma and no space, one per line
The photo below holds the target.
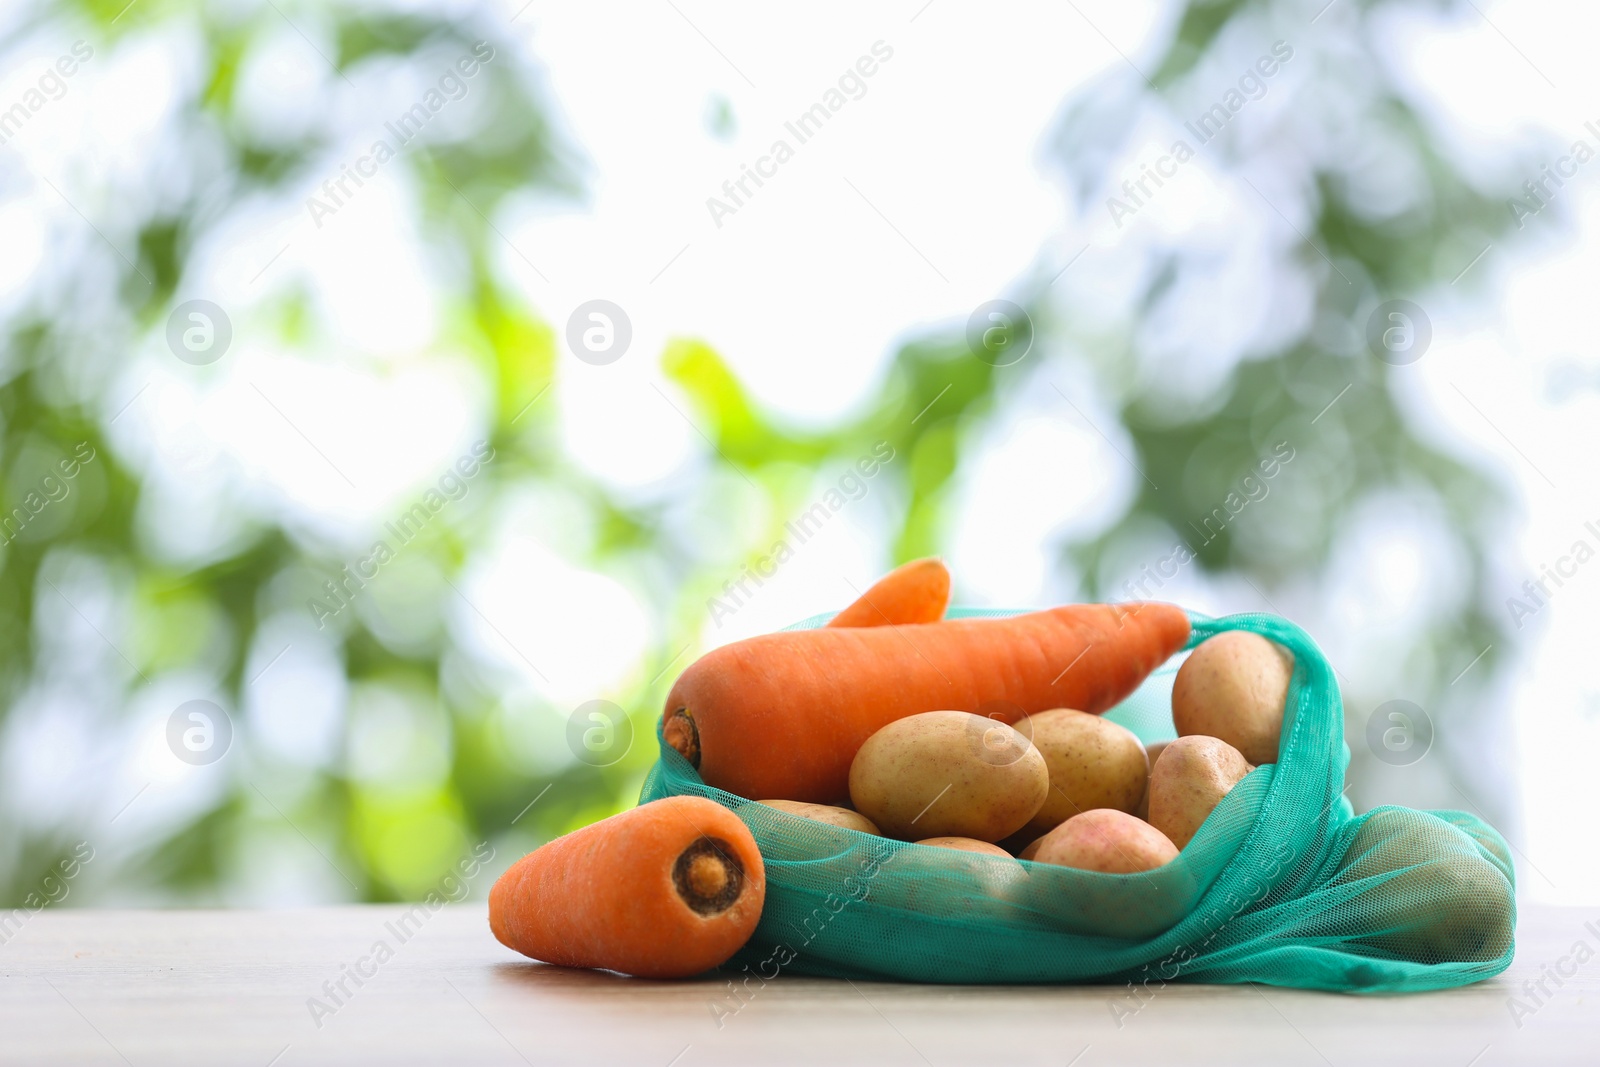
216,987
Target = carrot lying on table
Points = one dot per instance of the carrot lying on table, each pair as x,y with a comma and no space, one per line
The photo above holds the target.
918,591
665,890
782,715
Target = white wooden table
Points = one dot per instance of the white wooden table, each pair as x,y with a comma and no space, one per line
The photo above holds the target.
218,988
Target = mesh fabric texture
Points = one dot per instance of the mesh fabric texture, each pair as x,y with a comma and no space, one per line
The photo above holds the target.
1283,884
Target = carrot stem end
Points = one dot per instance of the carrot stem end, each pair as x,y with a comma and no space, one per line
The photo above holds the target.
683,735
708,876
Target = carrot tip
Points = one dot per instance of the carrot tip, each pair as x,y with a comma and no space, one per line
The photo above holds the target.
708,876
682,734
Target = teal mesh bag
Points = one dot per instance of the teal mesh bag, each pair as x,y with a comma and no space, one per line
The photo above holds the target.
1283,884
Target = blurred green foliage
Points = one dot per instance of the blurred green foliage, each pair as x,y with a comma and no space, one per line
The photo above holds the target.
394,842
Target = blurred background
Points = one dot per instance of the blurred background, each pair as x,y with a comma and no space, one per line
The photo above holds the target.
396,396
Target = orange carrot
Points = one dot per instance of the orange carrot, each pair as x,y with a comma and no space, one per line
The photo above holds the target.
782,715
918,591
666,890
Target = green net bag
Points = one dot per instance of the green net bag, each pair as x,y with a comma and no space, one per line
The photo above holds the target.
1283,884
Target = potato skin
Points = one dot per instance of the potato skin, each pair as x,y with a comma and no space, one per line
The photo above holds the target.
948,774
1093,763
1434,897
1106,840
1152,752
1233,687
966,844
1189,781
843,818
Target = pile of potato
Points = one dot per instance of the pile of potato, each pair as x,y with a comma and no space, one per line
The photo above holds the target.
1066,787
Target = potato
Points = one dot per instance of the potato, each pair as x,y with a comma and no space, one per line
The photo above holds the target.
948,774
1093,763
1448,902
1152,752
1031,849
1188,781
966,844
1106,840
843,818
942,883
1233,687
1487,839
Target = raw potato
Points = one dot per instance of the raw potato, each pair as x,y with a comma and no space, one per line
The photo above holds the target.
1093,763
1446,903
843,818
1031,850
1153,752
1188,781
948,774
966,844
1233,687
1106,840
985,883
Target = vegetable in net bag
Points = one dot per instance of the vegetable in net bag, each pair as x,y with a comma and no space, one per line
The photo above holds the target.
1283,884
